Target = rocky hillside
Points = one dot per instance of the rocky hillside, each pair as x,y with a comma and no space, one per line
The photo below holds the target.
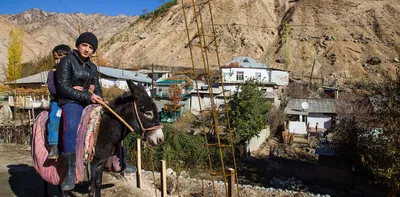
338,37
44,30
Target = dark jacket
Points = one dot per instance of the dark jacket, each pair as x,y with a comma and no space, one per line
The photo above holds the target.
72,71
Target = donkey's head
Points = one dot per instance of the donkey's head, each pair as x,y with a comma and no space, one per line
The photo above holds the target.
146,114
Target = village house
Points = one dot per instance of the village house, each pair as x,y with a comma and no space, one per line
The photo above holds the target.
237,72
319,114
162,96
234,73
109,77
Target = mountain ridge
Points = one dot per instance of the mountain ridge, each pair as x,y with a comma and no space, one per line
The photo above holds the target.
334,38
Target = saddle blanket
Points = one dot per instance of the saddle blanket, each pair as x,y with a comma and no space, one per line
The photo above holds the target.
52,171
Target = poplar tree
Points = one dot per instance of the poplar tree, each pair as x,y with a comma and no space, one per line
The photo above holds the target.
14,51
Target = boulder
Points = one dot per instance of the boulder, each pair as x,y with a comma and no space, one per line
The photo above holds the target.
374,60
144,36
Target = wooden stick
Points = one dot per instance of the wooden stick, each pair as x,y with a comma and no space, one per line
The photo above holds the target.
138,164
116,115
163,179
231,182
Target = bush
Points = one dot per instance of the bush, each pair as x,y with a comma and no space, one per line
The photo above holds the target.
111,93
159,11
178,149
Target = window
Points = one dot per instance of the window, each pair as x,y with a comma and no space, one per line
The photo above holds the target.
258,76
239,76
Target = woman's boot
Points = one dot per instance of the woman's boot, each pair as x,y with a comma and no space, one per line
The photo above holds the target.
69,161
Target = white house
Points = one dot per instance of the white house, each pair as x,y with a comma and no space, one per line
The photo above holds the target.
301,112
244,68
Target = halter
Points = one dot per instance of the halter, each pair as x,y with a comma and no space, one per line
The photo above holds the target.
140,122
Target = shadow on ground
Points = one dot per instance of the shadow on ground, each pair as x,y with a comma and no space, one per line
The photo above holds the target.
26,182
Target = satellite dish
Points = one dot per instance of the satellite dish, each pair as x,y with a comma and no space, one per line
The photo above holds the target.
304,105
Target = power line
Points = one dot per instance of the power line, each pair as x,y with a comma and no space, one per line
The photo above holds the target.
64,6
52,6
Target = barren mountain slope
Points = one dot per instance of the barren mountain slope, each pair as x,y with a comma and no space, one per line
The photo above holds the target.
31,47
237,24
44,30
341,36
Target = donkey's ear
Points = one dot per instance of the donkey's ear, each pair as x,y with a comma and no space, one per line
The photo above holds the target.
132,87
136,90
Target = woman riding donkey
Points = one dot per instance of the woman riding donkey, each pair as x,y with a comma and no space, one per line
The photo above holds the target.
74,75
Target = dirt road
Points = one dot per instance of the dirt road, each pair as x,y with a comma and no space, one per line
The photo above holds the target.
19,178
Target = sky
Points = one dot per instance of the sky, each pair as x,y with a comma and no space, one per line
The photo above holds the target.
106,7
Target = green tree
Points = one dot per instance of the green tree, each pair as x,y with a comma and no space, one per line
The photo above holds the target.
14,51
248,111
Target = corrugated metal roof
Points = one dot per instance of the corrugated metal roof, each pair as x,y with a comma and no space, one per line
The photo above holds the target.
246,62
111,72
314,106
124,74
145,71
40,78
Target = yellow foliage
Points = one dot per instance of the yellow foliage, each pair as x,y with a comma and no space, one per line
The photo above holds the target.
14,51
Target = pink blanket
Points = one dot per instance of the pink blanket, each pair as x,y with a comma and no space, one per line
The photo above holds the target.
52,170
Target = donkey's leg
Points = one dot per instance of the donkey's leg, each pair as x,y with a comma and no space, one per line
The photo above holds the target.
92,177
99,179
45,189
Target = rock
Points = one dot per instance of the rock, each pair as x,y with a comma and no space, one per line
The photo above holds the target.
170,172
396,60
374,60
144,36
280,60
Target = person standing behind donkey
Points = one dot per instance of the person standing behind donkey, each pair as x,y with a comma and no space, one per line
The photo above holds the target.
55,111
74,75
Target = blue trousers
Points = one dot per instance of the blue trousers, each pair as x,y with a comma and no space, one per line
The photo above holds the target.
72,113
54,123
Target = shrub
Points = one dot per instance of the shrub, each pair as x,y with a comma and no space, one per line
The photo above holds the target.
159,11
111,93
178,149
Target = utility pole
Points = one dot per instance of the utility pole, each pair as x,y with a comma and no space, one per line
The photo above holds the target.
311,76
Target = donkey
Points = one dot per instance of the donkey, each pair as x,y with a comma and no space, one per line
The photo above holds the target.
140,112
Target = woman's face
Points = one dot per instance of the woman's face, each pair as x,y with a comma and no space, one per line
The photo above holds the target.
85,50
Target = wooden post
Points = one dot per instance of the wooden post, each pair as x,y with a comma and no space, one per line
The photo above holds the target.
138,164
163,179
231,182
33,113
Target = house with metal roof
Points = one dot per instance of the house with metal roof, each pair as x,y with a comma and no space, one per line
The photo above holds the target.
317,113
244,68
161,93
113,77
155,74
34,81
108,77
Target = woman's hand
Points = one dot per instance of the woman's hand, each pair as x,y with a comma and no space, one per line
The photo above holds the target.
96,99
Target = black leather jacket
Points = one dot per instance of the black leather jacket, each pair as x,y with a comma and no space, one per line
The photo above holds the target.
72,71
